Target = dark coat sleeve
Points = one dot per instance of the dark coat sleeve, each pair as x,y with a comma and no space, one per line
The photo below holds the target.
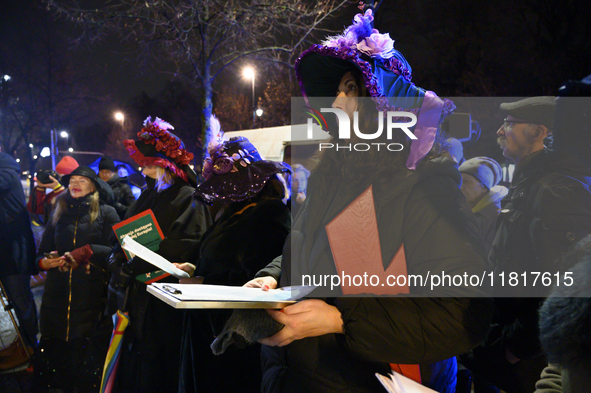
47,242
440,234
183,239
101,251
273,269
124,200
183,235
561,217
262,235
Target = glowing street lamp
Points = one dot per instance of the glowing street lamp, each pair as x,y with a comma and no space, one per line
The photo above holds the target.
120,117
64,134
259,112
248,73
45,152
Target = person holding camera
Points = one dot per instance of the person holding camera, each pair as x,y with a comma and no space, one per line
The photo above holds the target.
41,201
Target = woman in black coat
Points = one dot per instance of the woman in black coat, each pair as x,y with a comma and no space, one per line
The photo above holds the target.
252,226
74,250
151,345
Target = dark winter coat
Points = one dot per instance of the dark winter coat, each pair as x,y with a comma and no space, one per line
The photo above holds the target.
122,192
73,301
241,242
17,246
152,342
547,210
423,212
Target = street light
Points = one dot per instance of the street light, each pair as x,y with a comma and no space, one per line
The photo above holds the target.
64,134
259,112
6,78
120,117
248,73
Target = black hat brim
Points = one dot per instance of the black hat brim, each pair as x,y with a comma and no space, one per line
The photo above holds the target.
104,190
238,186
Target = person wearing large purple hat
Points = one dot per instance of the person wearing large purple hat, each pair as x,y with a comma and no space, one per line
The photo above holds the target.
252,224
235,172
379,213
155,332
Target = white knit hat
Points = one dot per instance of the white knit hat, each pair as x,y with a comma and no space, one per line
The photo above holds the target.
485,169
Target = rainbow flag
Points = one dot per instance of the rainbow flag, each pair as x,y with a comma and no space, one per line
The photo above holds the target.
120,322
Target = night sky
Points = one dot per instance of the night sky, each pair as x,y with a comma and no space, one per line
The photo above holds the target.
109,61
456,48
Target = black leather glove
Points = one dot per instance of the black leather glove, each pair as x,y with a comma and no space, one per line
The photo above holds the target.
121,270
115,259
121,280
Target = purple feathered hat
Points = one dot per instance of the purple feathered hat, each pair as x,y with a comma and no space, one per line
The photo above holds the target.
386,75
233,170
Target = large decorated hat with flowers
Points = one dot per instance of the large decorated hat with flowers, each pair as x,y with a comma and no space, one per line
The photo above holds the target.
158,146
386,75
234,171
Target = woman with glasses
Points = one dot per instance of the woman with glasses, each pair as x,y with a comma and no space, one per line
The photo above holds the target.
392,212
73,251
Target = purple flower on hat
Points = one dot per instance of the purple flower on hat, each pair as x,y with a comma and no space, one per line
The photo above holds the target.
207,170
222,164
377,45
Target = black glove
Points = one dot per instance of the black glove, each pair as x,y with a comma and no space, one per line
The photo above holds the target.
122,279
121,270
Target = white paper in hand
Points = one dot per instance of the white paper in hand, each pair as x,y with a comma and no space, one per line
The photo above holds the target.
150,256
398,383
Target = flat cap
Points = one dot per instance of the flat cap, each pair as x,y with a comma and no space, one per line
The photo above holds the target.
485,169
537,110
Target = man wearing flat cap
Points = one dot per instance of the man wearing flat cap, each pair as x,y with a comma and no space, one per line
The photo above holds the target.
547,210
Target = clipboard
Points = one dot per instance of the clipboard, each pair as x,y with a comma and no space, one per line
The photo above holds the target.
175,302
193,296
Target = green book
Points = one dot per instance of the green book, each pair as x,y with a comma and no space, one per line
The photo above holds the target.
144,229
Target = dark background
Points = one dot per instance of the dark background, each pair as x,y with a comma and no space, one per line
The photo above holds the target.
456,48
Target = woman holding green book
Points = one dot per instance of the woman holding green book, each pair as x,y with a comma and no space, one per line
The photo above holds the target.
151,345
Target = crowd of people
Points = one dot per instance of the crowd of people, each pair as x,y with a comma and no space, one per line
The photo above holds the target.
422,210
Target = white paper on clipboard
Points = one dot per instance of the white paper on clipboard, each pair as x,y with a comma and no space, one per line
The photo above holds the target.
205,292
150,256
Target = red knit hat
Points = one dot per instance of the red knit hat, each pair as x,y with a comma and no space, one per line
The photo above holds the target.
66,165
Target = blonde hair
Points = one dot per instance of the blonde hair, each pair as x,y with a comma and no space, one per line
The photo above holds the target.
164,178
61,205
